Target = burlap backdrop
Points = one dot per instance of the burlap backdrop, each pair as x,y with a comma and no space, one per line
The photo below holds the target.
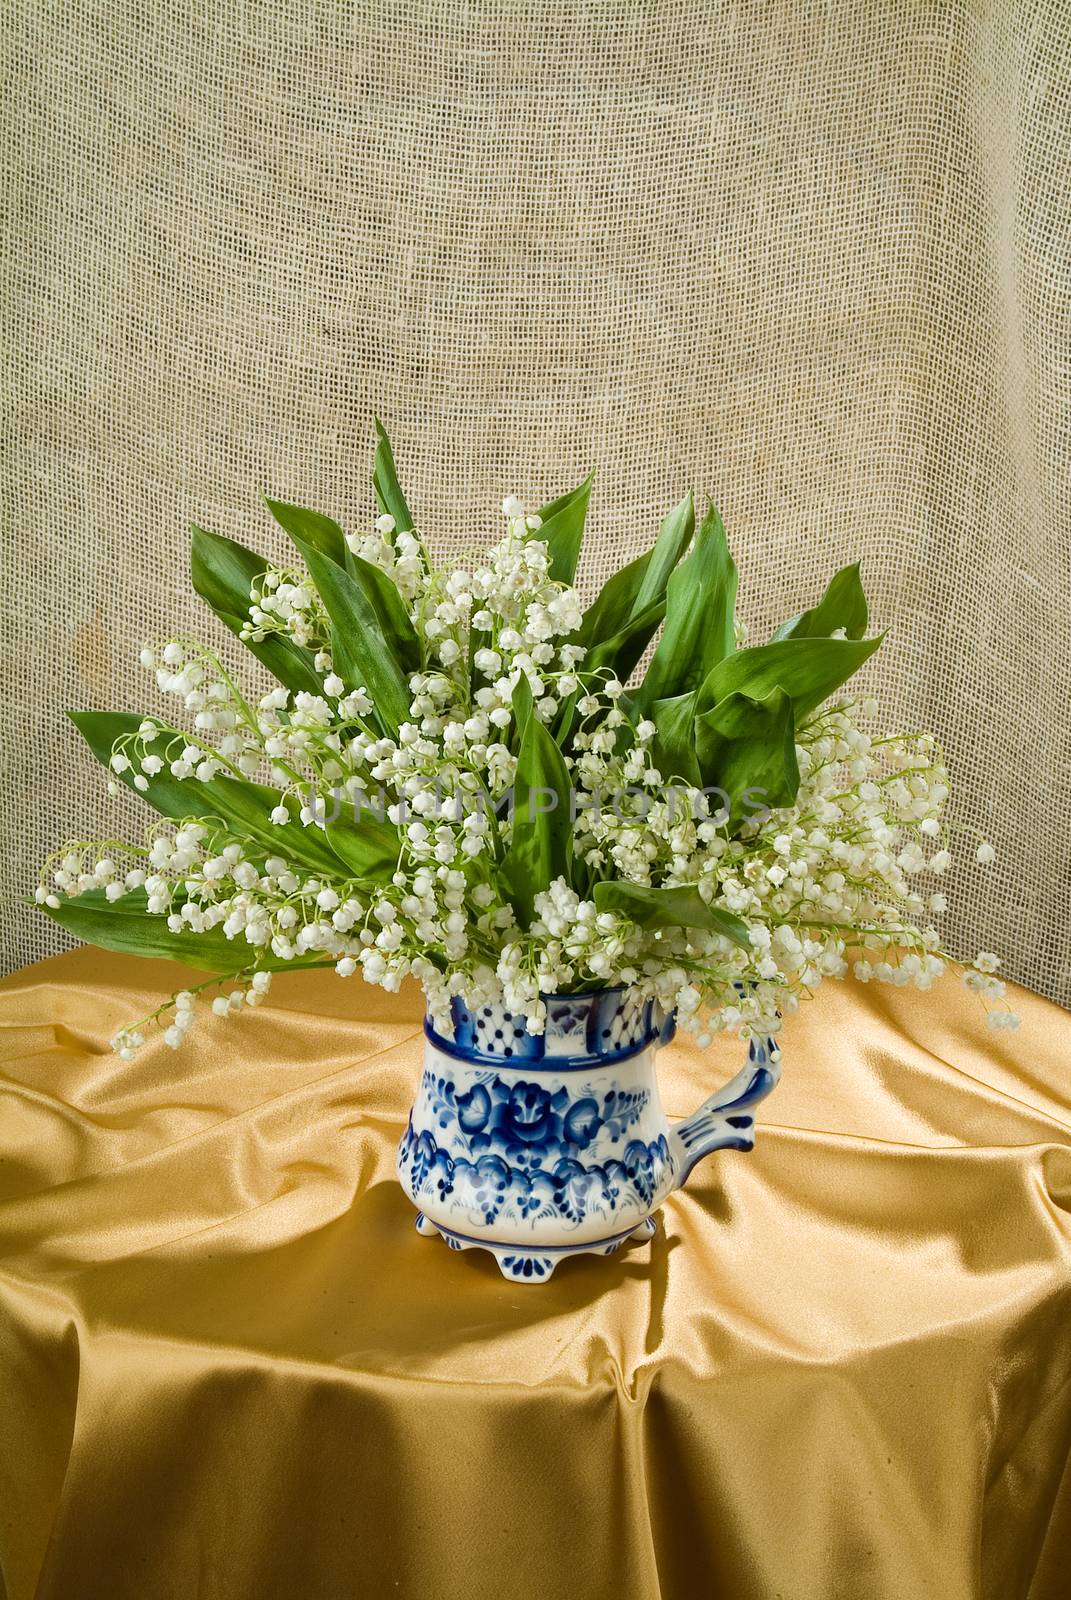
811,258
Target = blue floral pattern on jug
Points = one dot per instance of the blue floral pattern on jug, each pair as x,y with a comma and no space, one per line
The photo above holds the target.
536,1147
512,1150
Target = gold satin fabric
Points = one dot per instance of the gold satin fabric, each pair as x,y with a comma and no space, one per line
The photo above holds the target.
231,1370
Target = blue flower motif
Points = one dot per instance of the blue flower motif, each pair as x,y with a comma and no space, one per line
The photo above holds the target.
526,1157
572,1186
635,1157
527,1114
645,1164
532,1194
474,1109
527,1266
582,1122
482,1186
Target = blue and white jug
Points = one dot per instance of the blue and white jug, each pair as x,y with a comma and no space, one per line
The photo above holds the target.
540,1146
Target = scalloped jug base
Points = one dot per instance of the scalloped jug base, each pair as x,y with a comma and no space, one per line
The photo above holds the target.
533,1264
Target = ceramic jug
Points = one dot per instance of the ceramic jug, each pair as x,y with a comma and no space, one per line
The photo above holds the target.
540,1146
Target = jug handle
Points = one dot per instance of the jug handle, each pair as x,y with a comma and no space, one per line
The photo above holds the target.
724,1121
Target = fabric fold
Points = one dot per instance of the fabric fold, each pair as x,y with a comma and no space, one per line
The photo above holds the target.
229,1367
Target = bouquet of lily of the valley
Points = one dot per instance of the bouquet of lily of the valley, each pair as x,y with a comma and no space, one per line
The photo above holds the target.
464,775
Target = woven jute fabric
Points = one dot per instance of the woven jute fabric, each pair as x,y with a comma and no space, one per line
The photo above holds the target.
809,258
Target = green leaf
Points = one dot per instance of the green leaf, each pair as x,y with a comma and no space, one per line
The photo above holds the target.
292,665
612,606
563,728
673,748
243,808
642,584
748,746
367,848
620,652
842,606
522,709
679,907
126,926
360,653
674,537
808,670
623,649
540,847
629,609
389,496
222,571
698,630
246,808
394,620
563,529
311,527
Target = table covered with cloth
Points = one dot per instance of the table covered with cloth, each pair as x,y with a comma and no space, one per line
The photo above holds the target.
230,1369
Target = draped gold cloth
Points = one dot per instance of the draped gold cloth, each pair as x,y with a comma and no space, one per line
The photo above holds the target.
230,1367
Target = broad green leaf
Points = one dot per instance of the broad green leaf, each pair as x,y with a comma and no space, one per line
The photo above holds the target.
540,845
620,652
244,808
360,653
222,571
673,748
612,606
842,606
311,527
368,848
563,728
563,529
674,537
623,649
642,583
747,747
552,507
680,907
394,620
808,670
698,630
293,666
522,709
389,496
126,926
